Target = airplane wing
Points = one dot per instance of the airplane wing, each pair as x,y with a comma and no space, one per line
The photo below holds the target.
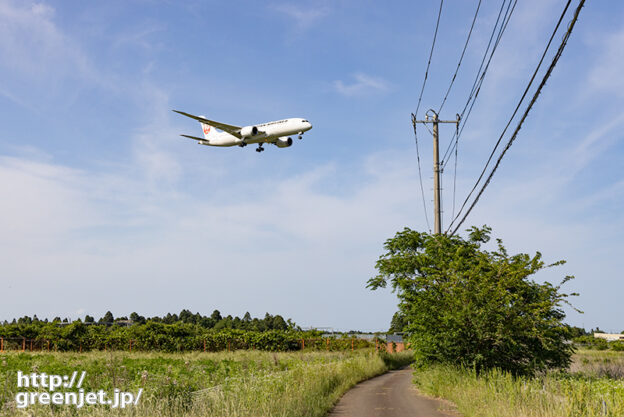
195,138
232,130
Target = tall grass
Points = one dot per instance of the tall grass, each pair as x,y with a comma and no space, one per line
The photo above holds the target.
609,364
498,394
242,383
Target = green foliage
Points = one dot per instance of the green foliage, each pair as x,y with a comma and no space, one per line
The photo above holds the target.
397,360
494,393
398,323
617,346
577,332
591,342
155,336
108,318
242,384
469,306
171,333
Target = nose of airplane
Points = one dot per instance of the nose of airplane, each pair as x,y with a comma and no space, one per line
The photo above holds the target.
308,125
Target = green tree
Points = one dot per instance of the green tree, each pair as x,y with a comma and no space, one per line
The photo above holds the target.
136,318
207,322
279,323
258,325
186,316
473,307
108,318
398,322
216,316
577,331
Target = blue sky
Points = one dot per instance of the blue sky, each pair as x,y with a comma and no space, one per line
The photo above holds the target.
105,207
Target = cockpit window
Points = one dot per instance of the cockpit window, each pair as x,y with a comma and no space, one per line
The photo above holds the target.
305,121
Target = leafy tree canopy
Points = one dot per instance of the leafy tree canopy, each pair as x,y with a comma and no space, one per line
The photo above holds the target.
216,315
398,323
108,318
466,305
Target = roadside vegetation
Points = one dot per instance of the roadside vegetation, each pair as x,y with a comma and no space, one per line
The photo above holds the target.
462,304
489,338
242,383
593,386
595,343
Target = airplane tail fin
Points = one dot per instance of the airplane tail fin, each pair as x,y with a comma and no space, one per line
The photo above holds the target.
210,132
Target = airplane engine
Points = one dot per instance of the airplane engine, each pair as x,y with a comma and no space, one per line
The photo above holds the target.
249,131
283,142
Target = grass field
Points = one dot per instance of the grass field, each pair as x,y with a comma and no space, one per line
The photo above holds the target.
593,386
242,383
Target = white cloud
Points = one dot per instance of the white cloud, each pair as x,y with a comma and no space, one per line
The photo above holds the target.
73,234
139,37
606,74
84,229
152,142
40,64
303,17
363,84
35,200
31,42
595,143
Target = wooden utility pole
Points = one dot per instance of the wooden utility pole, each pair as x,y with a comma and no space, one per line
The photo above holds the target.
437,207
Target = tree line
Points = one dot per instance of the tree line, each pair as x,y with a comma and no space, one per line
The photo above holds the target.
171,333
215,321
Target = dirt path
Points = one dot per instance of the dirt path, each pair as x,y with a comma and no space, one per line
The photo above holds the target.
389,395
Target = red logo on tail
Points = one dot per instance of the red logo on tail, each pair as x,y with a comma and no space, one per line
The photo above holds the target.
206,129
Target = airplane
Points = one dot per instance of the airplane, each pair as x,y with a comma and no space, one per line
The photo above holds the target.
278,132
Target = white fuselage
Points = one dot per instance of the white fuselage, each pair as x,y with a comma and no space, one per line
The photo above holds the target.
266,132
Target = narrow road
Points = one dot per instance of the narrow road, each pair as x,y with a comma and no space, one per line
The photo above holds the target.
389,395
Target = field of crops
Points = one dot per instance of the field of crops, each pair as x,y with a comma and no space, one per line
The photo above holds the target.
242,383
593,386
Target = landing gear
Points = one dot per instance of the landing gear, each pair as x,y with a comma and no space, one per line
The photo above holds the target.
260,148
243,144
300,137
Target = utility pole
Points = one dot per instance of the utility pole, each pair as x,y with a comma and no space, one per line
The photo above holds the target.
437,225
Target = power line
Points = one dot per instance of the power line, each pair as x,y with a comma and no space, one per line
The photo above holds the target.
480,77
476,86
530,105
422,190
435,35
437,200
455,176
422,89
474,19
526,90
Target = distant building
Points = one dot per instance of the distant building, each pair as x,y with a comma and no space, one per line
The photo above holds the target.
609,337
396,337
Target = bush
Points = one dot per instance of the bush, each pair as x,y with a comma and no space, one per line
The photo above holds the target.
468,306
617,346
